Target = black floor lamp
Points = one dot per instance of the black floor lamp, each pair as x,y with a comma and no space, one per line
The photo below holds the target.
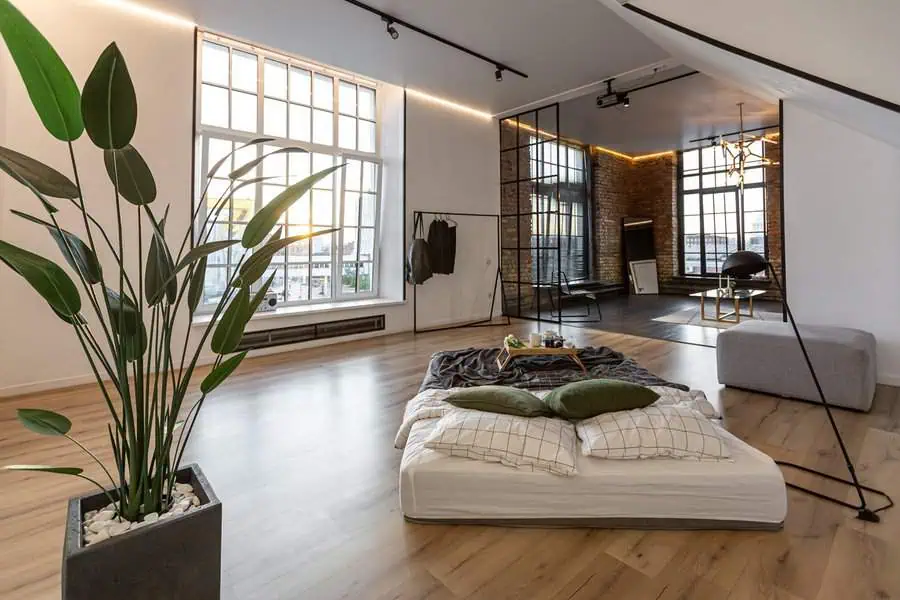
744,264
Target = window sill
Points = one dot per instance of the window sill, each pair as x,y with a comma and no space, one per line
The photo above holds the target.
310,309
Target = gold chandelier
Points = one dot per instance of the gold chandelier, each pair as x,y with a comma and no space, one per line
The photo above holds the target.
738,154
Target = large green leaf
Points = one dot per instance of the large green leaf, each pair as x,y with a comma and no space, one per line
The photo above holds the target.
260,295
128,170
221,373
78,254
45,469
108,101
251,164
254,267
202,251
221,161
44,422
231,327
50,85
263,222
159,277
36,175
133,335
46,277
195,290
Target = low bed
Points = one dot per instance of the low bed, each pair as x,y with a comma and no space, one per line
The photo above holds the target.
745,492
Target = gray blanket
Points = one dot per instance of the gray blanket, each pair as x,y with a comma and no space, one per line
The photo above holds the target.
478,366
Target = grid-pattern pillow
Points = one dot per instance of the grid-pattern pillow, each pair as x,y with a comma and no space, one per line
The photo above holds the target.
652,432
530,443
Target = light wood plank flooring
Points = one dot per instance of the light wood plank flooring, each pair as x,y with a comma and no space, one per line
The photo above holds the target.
299,448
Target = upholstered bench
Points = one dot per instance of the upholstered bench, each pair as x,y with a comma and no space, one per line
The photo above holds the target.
764,356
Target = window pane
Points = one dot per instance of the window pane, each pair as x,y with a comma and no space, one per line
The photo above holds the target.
692,224
275,79
370,177
322,207
755,242
299,166
214,284
366,136
347,98
350,244
347,132
243,71
216,151
215,63
217,189
366,103
243,203
691,204
708,157
217,233
319,163
730,222
269,192
690,160
275,165
214,106
300,86
300,123
348,278
243,156
298,213
692,264
366,244
365,278
298,283
754,222
754,199
353,175
277,286
368,210
320,284
323,92
243,111
323,128
730,202
321,246
351,208
753,176
275,118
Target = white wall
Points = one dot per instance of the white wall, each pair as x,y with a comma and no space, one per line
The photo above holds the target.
851,42
842,217
452,164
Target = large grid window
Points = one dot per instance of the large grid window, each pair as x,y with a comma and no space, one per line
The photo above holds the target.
245,93
551,161
714,220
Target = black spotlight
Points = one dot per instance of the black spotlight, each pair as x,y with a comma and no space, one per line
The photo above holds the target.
498,74
392,31
623,99
626,102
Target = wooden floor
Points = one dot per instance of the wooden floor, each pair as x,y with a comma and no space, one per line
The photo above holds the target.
299,448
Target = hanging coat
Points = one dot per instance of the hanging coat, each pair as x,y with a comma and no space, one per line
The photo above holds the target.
418,266
442,246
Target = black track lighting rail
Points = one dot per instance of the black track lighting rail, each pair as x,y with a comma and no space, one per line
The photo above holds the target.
622,95
392,20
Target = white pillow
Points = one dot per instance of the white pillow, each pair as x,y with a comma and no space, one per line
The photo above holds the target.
655,431
534,444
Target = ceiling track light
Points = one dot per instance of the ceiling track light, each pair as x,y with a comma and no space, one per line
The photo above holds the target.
392,31
498,74
389,27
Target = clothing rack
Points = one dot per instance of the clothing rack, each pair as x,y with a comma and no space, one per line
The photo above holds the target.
497,280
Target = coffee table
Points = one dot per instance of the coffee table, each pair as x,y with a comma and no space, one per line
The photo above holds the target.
507,355
732,316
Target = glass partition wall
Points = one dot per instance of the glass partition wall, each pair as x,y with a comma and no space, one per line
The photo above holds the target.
544,213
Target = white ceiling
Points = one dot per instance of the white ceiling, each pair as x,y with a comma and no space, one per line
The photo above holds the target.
561,44
666,116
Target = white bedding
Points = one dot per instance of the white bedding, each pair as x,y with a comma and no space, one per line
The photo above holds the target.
748,489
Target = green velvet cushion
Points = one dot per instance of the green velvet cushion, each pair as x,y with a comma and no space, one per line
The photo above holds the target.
500,399
592,397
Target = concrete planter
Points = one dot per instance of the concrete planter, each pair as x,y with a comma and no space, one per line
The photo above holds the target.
179,557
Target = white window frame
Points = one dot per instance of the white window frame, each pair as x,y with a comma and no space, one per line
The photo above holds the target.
341,155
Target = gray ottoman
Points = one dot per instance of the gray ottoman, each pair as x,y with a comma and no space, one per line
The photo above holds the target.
764,356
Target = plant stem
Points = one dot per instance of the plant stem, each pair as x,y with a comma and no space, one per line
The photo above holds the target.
94,456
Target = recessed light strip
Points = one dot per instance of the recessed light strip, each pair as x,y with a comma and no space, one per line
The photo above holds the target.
148,13
636,158
450,104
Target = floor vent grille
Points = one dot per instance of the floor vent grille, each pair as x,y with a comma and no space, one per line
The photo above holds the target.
267,338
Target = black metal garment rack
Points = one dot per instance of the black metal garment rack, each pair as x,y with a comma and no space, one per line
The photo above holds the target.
497,280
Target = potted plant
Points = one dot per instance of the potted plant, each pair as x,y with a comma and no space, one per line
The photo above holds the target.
155,530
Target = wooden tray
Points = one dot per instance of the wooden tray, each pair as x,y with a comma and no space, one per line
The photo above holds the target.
507,354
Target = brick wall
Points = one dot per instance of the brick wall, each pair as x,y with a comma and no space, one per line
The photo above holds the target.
773,209
626,188
515,198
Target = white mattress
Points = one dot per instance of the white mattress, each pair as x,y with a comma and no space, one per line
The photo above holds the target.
747,489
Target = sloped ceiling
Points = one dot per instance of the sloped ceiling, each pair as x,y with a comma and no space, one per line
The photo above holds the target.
769,83
561,44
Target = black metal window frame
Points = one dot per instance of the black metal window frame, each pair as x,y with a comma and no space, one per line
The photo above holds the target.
703,211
